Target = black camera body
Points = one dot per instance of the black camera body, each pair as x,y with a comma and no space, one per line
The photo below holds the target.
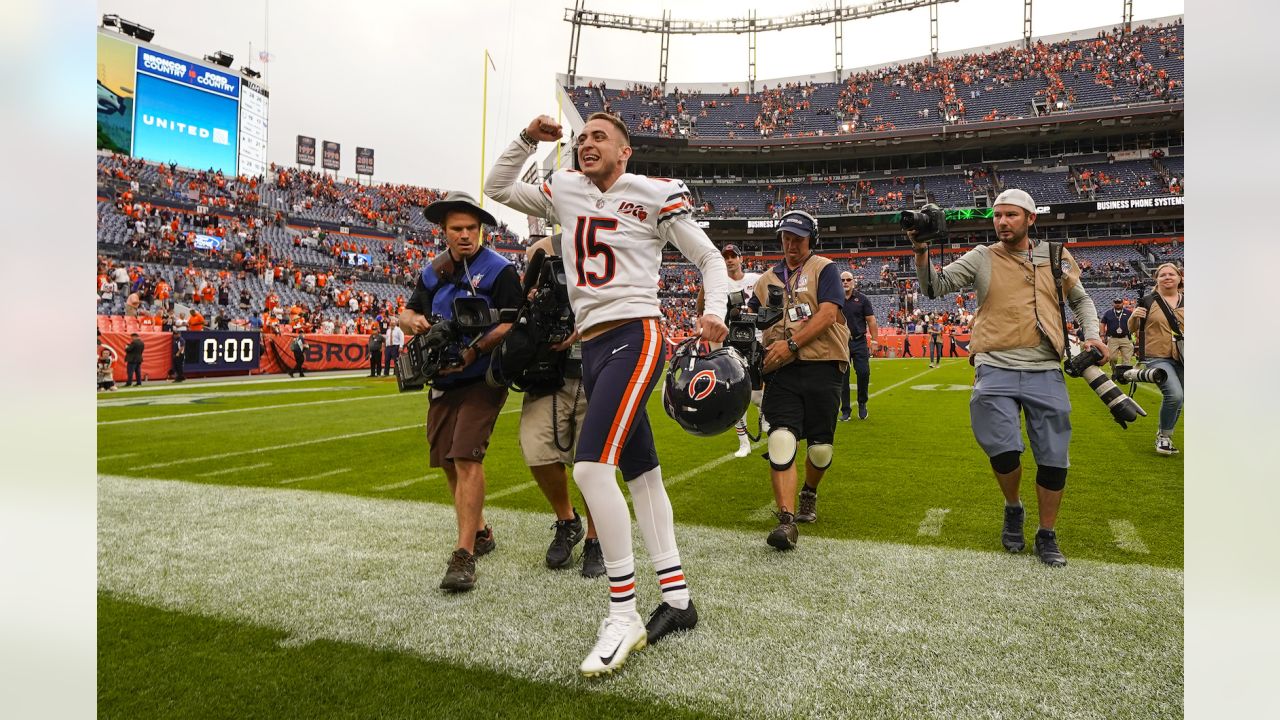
743,326
441,347
929,222
1123,408
526,360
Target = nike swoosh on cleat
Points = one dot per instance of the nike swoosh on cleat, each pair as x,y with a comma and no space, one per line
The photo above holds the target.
615,350
607,660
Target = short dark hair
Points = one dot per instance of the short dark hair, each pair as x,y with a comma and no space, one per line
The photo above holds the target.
615,121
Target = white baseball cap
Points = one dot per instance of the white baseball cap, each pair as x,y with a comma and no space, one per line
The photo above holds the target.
1018,198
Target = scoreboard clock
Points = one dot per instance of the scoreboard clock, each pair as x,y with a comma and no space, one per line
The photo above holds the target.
227,351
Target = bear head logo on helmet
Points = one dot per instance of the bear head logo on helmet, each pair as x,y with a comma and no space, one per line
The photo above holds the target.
706,393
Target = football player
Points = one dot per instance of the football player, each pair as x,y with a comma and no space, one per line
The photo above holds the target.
615,226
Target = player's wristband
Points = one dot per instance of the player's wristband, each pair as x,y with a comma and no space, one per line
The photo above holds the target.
527,139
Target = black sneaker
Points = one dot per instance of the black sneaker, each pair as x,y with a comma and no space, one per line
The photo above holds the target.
784,536
862,411
1047,548
808,511
568,533
667,619
485,542
461,575
845,417
592,559
1011,536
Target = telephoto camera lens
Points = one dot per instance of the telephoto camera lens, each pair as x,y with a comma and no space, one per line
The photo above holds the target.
1128,374
1123,408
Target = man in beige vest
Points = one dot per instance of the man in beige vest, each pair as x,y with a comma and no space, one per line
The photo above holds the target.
1017,345
806,358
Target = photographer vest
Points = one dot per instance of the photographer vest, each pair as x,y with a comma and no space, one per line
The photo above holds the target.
1021,303
802,289
447,281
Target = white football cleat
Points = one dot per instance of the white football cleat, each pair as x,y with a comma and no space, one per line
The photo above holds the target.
744,449
618,637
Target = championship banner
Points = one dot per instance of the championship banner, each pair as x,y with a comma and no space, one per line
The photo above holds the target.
364,161
306,151
332,158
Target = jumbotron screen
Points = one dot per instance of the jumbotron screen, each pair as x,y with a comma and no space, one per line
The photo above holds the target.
169,108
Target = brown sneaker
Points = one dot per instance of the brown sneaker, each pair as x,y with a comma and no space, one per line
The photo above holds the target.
808,511
784,536
461,575
485,542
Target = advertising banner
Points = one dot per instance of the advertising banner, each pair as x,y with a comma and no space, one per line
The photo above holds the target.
332,159
115,94
364,161
221,82
207,242
177,123
324,352
306,152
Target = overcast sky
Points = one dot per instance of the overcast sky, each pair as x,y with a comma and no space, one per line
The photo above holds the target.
406,78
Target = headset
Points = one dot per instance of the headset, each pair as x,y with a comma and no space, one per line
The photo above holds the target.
813,238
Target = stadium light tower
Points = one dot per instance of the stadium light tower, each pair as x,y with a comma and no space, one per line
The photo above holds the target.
578,16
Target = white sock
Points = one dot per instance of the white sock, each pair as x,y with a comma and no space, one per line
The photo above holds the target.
600,489
657,527
741,429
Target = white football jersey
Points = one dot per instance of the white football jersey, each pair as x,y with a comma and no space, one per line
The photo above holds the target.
612,245
747,284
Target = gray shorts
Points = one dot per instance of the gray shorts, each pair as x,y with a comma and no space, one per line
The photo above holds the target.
999,394
538,439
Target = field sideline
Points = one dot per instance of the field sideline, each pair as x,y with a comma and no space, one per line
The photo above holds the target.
286,562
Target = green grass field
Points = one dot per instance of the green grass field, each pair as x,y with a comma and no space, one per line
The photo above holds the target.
271,548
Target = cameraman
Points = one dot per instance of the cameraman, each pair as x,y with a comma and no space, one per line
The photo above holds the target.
744,282
463,407
1158,320
1017,346
1115,322
806,360
550,423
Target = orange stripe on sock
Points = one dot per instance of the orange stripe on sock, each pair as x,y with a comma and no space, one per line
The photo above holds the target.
673,578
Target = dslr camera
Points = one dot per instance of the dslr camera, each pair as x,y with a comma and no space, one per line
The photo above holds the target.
929,222
1123,408
441,347
1130,374
743,326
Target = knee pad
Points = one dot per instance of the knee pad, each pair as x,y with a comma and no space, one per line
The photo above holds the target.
1051,478
782,448
1005,462
820,455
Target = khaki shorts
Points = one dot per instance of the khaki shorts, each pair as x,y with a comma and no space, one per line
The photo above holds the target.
460,421
537,437
1121,351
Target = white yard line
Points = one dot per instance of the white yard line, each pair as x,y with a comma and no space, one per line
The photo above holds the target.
709,465
227,471
269,448
510,491
1127,537
899,383
121,456
889,629
931,526
403,484
330,473
247,409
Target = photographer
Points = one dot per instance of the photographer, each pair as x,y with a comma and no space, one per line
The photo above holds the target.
1017,346
1158,320
1115,323
550,422
861,319
463,407
934,326
806,360
377,341
744,282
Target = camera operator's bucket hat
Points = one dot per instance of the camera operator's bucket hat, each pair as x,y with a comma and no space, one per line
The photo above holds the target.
460,201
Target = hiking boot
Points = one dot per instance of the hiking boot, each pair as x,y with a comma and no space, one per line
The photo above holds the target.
784,536
617,638
568,534
1047,548
484,541
1011,536
667,619
808,511
461,575
592,559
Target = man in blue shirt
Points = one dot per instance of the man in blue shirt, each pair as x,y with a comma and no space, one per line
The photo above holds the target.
861,318
1115,327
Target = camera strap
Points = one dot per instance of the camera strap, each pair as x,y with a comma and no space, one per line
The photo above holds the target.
1055,264
573,421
